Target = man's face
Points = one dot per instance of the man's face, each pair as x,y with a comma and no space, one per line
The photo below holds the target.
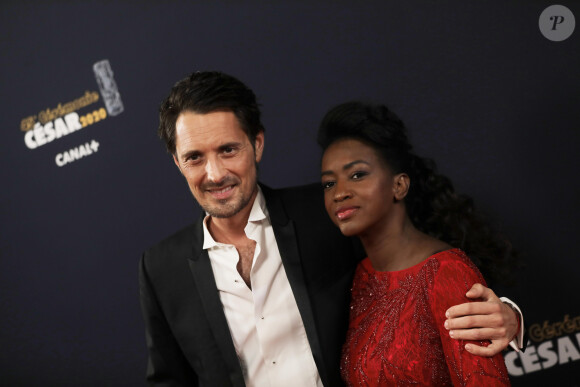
217,159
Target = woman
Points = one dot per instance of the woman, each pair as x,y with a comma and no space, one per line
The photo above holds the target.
414,229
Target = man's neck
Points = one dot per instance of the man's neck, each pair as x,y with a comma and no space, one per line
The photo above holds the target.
231,229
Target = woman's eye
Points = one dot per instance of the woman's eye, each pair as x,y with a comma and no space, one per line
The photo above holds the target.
327,184
358,175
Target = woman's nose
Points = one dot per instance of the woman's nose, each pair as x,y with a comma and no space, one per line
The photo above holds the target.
341,192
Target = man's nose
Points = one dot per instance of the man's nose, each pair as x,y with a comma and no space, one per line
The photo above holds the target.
215,170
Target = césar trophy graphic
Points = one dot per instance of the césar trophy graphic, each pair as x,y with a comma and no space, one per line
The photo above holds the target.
108,87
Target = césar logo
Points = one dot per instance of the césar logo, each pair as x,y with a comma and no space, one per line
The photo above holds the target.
52,124
557,343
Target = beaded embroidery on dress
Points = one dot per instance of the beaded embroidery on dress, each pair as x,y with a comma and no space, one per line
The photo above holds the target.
396,334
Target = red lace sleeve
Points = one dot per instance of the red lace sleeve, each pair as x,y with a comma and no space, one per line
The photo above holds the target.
454,278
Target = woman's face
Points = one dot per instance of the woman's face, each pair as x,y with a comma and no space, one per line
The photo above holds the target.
358,187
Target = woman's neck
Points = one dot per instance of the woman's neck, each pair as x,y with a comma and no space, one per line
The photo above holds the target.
399,245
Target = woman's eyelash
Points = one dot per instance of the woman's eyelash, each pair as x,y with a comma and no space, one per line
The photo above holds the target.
359,174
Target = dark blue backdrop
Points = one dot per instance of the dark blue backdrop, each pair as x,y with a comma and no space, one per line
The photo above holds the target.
481,89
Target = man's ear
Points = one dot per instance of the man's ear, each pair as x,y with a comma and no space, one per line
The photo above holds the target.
401,185
259,146
177,163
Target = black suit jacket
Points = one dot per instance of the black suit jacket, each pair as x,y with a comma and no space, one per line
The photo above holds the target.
186,329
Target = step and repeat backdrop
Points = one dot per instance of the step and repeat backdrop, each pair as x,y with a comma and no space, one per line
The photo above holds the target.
490,90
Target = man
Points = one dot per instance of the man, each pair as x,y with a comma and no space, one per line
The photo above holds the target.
256,292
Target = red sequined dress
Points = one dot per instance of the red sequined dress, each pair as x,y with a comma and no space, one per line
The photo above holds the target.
396,334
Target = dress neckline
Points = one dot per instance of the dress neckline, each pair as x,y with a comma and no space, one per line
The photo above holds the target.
369,266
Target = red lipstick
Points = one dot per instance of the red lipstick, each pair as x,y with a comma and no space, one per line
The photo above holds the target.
344,213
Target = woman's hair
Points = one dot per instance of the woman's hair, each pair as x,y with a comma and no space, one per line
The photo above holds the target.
431,203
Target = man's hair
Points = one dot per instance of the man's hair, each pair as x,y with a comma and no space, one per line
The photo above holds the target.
205,92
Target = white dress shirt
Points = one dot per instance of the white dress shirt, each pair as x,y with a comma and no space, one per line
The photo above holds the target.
264,321
518,342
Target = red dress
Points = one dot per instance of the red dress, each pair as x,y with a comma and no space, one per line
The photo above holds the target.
396,334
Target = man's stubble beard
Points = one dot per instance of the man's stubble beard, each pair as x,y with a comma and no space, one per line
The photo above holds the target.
225,210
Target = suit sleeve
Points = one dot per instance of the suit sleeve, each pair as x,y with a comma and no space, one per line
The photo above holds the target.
166,365
453,279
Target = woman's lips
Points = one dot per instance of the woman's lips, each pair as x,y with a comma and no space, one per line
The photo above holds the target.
344,213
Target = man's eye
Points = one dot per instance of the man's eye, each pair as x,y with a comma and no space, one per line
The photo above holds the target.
228,150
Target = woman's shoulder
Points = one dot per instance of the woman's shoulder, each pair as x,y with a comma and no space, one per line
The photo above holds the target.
451,255
455,261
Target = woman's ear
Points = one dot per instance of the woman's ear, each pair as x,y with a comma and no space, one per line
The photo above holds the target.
401,184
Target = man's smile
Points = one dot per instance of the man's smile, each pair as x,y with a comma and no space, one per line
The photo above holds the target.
222,193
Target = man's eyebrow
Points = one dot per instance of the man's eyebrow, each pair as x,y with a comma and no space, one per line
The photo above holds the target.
188,154
232,144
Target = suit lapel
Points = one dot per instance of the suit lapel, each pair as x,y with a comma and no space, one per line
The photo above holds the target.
200,266
288,247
